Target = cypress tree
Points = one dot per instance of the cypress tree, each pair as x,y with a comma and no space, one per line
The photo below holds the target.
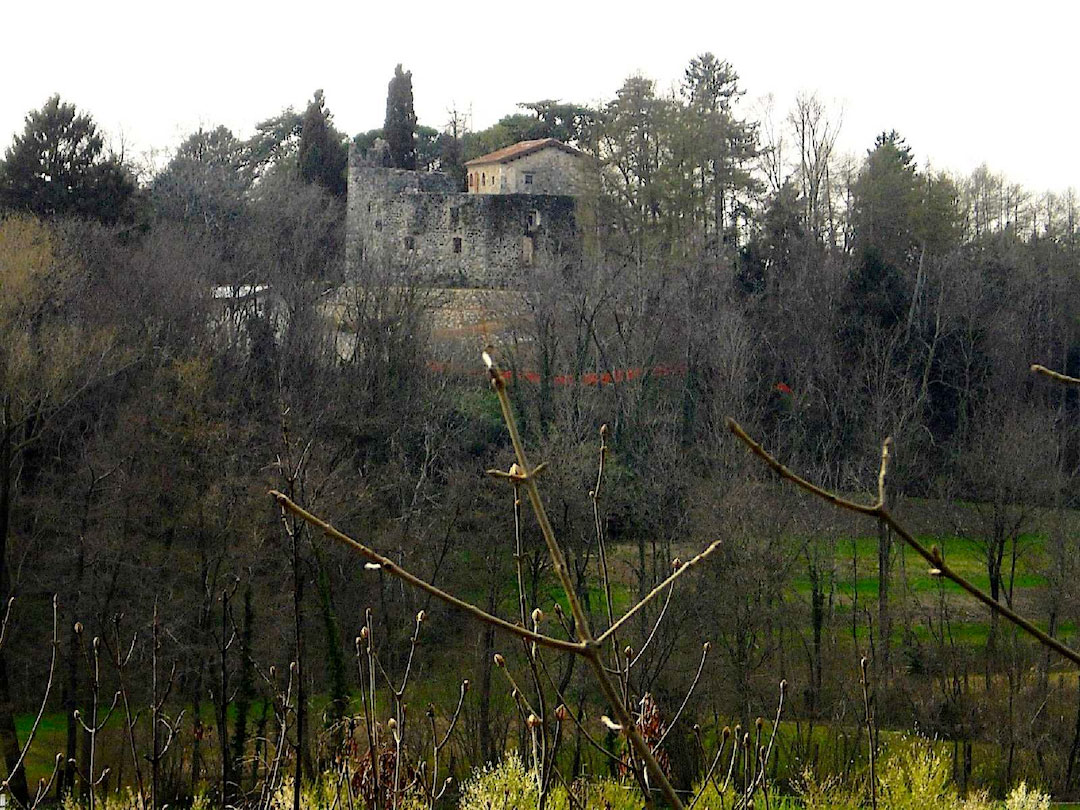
322,154
400,126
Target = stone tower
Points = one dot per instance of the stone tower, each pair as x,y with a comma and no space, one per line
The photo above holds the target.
489,237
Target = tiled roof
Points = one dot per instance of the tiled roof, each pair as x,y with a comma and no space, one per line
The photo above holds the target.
520,149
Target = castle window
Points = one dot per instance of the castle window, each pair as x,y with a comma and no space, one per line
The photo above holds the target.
528,178
532,221
457,244
455,217
410,243
483,178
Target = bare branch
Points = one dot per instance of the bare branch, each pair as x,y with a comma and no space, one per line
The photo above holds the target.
659,589
784,472
4,624
693,685
652,633
44,700
395,570
932,555
1055,375
709,773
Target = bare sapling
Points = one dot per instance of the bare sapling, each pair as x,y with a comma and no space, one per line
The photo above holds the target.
97,721
581,641
284,713
159,720
386,774
120,660
44,784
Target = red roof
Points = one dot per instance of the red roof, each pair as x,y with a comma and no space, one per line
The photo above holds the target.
520,149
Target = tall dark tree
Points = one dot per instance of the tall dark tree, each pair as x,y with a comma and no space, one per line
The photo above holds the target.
58,167
718,146
400,126
322,155
886,198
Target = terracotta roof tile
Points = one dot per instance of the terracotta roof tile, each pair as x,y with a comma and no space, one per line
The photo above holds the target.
520,149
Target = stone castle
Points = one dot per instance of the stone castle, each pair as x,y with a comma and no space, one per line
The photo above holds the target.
518,211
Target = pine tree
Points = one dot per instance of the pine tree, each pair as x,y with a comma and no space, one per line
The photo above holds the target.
322,155
400,126
57,168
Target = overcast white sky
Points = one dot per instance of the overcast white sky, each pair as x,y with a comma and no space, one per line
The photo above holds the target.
964,82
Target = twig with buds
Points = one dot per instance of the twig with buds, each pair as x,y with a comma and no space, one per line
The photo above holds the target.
878,510
282,707
437,745
94,727
120,660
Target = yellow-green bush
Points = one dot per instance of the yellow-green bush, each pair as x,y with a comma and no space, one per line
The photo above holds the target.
329,792
1024,798
509,785
604,794
830,793
914,776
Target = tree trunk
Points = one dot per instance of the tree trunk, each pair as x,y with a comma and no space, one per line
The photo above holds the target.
222,703
301,696
70,697
884,613
487,746
9,740
1074,750
817,621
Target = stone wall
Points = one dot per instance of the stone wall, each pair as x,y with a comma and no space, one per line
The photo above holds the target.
418,224
463,321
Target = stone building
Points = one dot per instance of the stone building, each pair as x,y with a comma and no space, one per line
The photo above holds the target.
419,224
546,166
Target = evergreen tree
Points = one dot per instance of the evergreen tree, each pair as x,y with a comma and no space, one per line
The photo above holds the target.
322,156
400,126
885,212
57,168
886,199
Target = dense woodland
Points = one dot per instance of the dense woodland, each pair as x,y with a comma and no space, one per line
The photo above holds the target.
749,269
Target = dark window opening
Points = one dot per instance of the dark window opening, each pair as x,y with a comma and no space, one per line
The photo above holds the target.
457,244
483,178
410,243
528,179
455,217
